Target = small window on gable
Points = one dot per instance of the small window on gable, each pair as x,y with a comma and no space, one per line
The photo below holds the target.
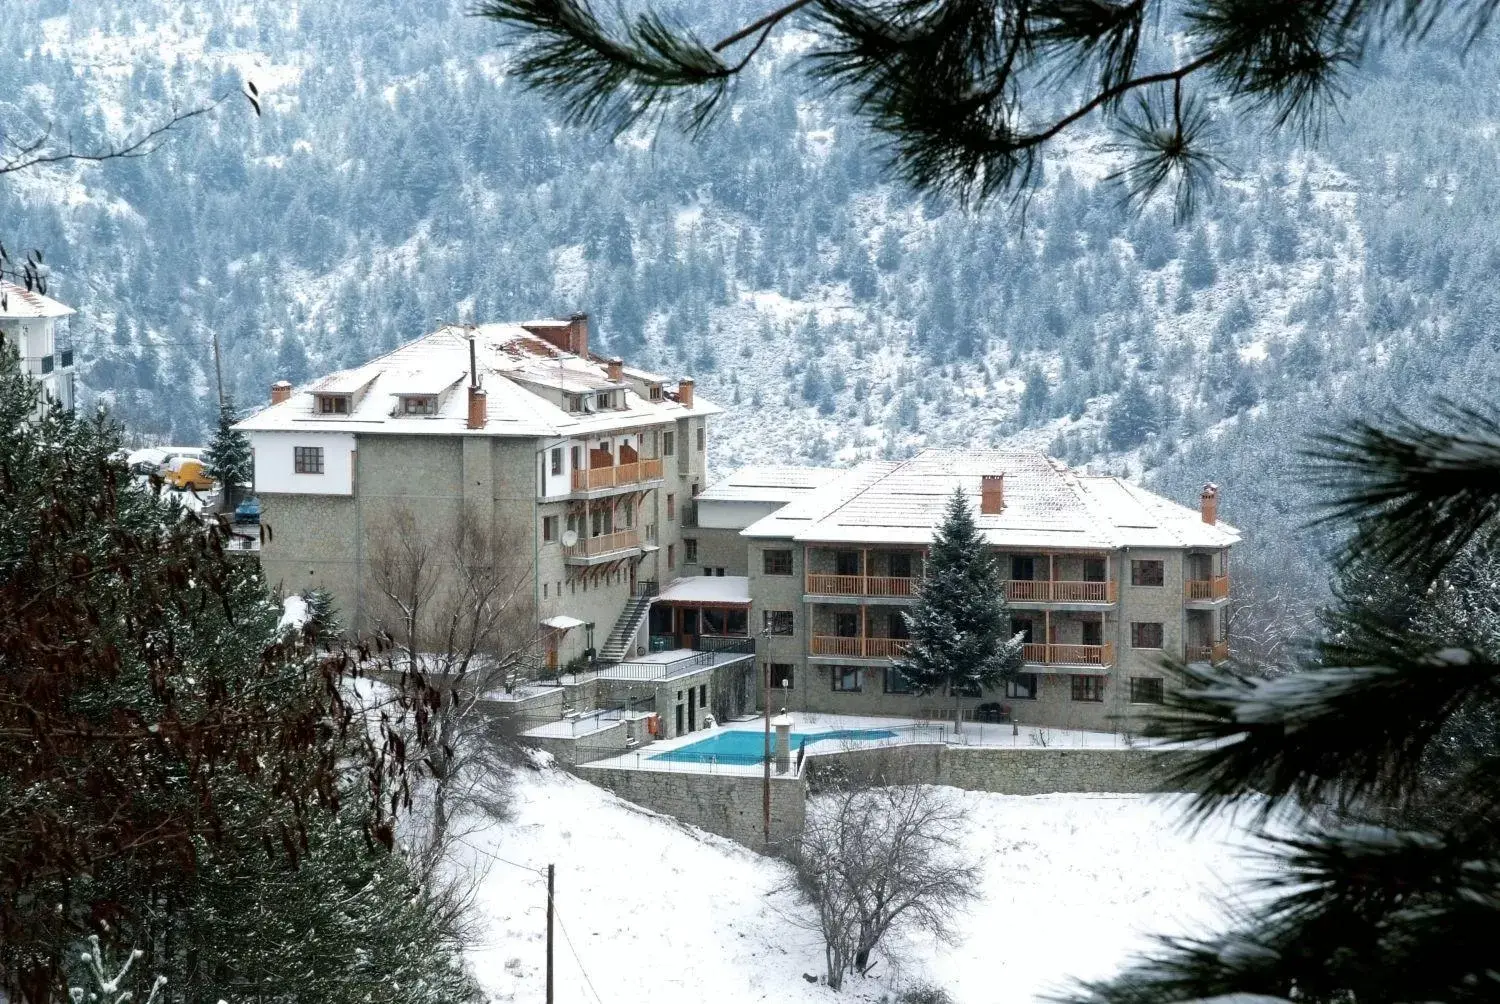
419,404
333,404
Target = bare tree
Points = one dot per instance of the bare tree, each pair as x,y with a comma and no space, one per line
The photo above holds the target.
456,605
874,861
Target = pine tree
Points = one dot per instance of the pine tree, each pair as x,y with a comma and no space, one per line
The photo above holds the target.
228,460
1133,416
959,624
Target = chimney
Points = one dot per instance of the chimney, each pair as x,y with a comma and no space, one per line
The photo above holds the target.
478,407
685,392
473,362
578,335
1209,503
991,494
616,369
281,390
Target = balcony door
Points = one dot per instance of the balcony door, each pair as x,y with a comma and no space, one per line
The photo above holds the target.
899,562
846,625
895,626
1094,570
1200,567
1022,567
1024,626
1093,631
846,562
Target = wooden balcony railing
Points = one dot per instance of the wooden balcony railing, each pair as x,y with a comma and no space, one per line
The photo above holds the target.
588,547
1215,588
1217,652
1059,591
614,477
858,648
860,585
1069,655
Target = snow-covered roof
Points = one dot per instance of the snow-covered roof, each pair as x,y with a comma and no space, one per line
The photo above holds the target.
18,301
721,590
562,622
524,377
1046,506
769,483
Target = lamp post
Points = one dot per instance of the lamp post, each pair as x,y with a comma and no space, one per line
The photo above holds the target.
765,662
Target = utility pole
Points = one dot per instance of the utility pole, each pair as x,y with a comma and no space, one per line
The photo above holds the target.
550,870
766,788
218,367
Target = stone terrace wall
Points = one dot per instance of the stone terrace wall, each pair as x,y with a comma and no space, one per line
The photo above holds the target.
727,804
571,751
1004,771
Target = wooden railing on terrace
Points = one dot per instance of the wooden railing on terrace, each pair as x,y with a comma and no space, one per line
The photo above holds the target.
1217,652
1215,588
1059,591
1069,655
619,474
858,648
588,547
860,585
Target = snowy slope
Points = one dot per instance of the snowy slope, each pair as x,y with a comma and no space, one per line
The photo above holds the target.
655,910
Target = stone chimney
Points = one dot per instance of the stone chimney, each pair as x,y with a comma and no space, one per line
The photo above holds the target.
281,390
578,335
616,369
1208,503
685,392
478,407
991,494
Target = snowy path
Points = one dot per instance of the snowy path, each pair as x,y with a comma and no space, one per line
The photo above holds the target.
655,911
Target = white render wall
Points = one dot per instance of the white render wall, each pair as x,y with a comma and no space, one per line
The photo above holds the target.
275,468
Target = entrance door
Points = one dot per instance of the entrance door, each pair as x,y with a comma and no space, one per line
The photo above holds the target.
692,709
687,627
678,731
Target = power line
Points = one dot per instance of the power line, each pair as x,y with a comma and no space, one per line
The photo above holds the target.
564,928
504,861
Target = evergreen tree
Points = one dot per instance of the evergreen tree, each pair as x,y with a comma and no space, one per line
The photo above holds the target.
959,624
1133,416
228,460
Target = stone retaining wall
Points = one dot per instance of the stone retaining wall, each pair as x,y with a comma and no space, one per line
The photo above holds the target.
570,751
730,805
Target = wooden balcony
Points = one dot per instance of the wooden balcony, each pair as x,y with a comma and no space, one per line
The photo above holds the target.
860,585
617,476
1059,591
1217,652
589,548
1069,655
858,648
1216,588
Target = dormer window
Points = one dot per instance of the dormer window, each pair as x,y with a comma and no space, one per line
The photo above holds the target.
419,404
333,404
575,402
656,392
604,401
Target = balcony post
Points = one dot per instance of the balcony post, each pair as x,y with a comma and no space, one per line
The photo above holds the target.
864,630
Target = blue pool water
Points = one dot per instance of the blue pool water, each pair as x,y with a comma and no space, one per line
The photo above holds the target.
748,747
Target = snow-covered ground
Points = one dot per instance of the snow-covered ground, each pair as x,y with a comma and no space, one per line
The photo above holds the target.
651,909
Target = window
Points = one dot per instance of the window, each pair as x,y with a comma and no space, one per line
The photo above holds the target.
671,555
655,392
1146,635
549,528
604,401
846,679
671,506
557,460
668,443
1146,690
1148,573
577,458
781,675
419,404
1088,688
897,682
307,459
575,402
716,570
689,551
544,590
779,622
628,510
900,565
701,439
333,404
777,562
1022,687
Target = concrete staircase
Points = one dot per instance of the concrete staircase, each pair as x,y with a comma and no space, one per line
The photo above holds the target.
618,646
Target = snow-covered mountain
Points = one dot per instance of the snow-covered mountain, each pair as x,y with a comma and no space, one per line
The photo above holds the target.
398,178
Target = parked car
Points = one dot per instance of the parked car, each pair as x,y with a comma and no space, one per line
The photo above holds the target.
247,511
147,461
186,473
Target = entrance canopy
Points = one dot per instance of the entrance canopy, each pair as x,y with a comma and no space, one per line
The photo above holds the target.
707,591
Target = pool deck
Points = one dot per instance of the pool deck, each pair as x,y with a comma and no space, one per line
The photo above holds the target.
908,731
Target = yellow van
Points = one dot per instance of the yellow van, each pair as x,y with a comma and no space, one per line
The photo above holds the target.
187,473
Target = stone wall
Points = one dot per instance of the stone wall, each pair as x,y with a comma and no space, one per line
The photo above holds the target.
727,804
1035,771
570,751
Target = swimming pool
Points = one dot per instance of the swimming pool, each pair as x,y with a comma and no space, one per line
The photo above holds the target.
745,746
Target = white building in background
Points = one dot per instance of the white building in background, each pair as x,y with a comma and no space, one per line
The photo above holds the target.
30,324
